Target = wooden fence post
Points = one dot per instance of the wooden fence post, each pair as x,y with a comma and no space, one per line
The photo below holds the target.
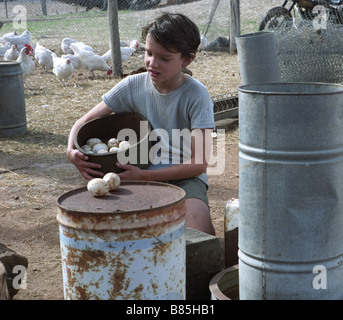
114,37
235,24
44,10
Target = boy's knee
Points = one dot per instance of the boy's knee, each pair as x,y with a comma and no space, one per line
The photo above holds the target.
198,216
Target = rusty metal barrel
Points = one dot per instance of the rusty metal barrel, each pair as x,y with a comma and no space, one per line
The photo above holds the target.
129,244
291,191
12,99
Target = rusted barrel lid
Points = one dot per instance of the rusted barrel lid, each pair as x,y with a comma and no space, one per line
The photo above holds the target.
131,196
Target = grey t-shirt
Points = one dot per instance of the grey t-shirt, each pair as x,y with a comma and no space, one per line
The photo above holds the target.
172,116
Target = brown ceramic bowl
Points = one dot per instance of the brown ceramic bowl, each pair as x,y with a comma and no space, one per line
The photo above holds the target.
108,127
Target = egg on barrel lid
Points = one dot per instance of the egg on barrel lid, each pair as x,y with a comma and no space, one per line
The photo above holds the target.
93,141
98,187
113,180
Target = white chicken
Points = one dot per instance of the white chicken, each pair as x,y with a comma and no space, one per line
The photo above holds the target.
66,42
3,48
122,43
83,46
75,60
90,60
19,40
135,45
44,57
10,34
63,69
65,45
203,42
11,53
26,61
126,53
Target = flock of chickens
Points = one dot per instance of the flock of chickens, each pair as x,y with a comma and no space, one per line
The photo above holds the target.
78,55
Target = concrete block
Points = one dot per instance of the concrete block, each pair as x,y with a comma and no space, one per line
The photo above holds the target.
204,259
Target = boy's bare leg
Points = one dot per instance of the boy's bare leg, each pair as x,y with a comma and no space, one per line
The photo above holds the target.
198,216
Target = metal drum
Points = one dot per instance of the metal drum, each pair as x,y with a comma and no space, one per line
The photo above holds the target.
231,223
12,99
291,191
258,58
129,244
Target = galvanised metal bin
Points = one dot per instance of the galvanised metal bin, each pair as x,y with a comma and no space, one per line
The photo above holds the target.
291,191
259,62
12,99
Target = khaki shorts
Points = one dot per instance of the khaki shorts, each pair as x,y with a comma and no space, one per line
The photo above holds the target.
194,188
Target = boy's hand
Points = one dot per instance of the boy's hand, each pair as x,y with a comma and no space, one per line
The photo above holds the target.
85,167
131,172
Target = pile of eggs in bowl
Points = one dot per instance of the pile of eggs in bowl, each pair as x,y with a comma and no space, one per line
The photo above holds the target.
95,145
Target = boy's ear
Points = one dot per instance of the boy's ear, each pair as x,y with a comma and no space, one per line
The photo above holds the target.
188,60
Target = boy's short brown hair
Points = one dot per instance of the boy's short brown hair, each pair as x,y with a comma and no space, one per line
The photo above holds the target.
174,32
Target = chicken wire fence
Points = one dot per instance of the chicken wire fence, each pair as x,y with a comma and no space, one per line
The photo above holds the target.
311,50
309,55
49,21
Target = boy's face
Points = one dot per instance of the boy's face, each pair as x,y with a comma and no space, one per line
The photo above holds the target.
164,66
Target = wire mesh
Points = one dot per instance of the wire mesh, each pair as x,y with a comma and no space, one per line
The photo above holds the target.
311,49
50,21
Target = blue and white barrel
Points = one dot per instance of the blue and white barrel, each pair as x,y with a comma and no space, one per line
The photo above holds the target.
127,245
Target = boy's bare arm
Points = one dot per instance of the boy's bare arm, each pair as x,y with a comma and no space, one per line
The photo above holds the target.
201,146
80,160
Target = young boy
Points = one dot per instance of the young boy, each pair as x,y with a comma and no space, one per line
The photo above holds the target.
169,99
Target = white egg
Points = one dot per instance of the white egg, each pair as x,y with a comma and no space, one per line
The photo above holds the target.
113,180
102,151
113,142
93,141
114,149
100,146
98,187
124,145
86,148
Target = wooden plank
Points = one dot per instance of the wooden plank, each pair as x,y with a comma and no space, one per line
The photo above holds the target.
117,68
227,124
235,24
226,114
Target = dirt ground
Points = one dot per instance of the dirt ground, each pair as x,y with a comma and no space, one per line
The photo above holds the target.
34,170
30,227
